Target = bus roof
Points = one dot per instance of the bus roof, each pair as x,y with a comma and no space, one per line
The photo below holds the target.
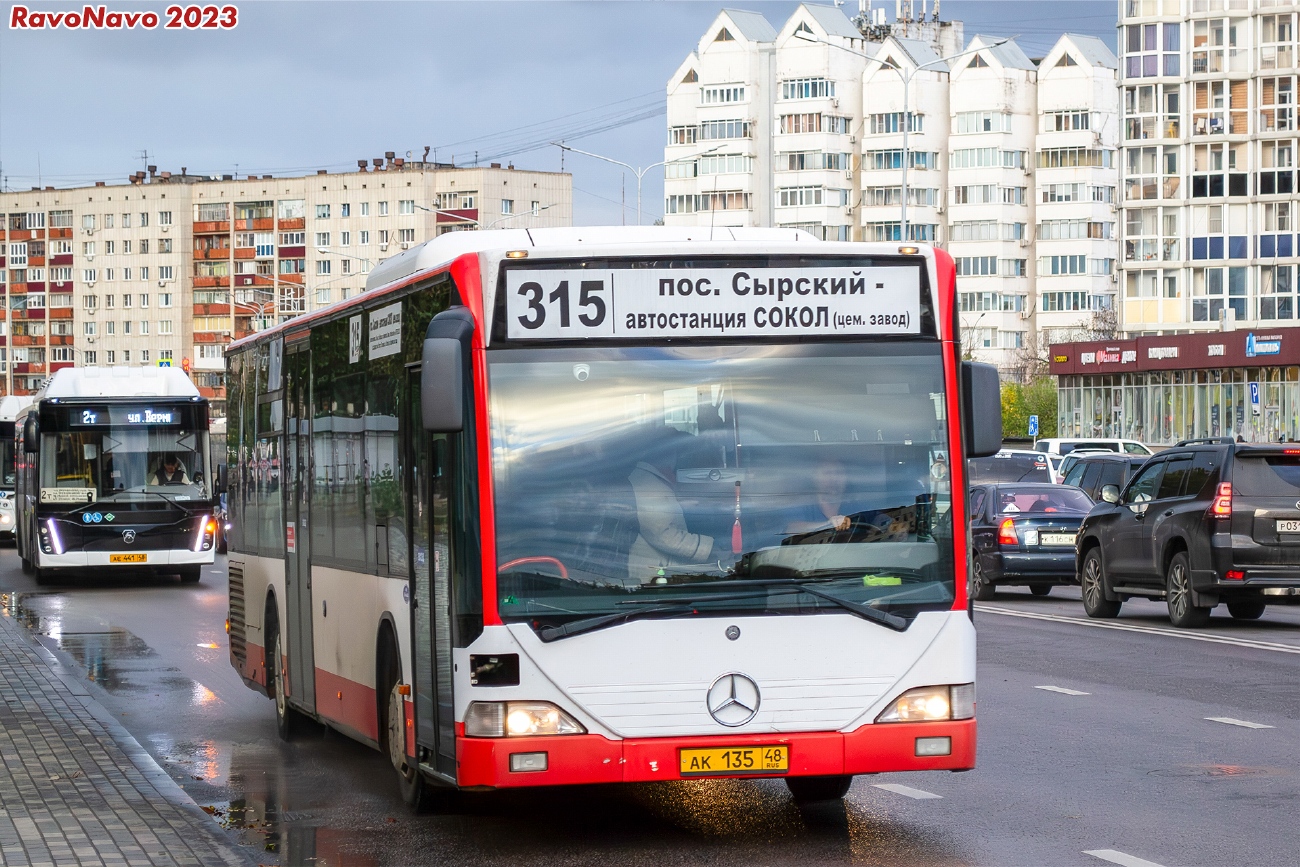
99,382
12,404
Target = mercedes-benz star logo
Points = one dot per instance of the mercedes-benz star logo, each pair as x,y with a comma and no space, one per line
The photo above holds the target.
128,536
733,700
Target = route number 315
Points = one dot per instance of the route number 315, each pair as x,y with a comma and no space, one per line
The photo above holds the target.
562,302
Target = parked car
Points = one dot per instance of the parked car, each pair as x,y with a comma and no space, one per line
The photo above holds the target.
1012,465
1092,471
1069,460
1024,535
1064,445
1204,522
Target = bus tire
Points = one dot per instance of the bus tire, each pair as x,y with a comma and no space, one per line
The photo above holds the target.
288,720
191,574
392,731
28,568
811,790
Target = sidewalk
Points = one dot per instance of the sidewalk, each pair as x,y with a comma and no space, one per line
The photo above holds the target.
75,787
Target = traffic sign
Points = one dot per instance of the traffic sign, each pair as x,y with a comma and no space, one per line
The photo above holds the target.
164,362
1254,398
1033,425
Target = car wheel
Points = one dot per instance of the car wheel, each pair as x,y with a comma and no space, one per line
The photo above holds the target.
1178,595
1246,609
1093,582
811,790
983,588
1040,589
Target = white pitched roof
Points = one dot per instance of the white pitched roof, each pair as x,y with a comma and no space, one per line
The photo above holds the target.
1008,54
831,19
1092,49
751,25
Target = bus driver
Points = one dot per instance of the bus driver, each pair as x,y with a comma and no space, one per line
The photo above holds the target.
170,471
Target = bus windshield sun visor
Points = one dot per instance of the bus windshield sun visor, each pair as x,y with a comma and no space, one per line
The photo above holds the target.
443,370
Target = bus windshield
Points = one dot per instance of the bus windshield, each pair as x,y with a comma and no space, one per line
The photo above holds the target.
672,475
7,461
123,464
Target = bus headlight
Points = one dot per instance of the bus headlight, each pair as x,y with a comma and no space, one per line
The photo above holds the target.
206,535
497,719
930,703
50,541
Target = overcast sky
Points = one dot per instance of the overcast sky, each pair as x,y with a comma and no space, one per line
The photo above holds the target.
300,86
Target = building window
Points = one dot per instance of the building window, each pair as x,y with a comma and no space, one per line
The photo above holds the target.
322,296
88,275
164,245
61,299
406,206
1059,158
111,356
989,194
165,354
144,219
90,358
293,239
88,329
790,161
345,239
61,353
807,88
164,299
322,267
892,122
164,218
1277,292
722,94
36,300
892,196
88,221
887,231
981,121
144,272
365,209
322,239
724,129
322,212
383,209
507,207
164,326
144,356
126,221
166,272
681,135
986,230
364,237
345,210
89,302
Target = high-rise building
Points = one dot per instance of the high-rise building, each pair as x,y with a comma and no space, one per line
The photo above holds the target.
169,268
1010,162
1209,93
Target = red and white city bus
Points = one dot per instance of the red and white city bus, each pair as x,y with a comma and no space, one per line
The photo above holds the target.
612,505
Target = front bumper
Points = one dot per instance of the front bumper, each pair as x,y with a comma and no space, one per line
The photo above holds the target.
99,559
587,759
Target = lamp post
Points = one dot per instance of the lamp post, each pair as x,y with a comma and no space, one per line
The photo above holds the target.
906,74
639,172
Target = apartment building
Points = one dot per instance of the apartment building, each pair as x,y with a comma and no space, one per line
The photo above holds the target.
168,268
1010,161
1209,92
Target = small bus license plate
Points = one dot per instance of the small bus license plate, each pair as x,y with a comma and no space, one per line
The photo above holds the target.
128,558
1288,526
1058,539
735,760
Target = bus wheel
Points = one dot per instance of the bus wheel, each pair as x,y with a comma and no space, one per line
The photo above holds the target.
191,574
410,782
810,790
286,718
28,568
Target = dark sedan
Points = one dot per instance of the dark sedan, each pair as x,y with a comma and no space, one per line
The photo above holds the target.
1024,535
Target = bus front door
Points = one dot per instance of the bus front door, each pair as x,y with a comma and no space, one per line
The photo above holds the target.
427,481
297,541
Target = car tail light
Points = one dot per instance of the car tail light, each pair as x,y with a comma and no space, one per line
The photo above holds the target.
1007,533
1234,575
1222,506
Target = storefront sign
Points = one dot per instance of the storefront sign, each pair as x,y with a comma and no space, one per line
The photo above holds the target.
1263,345
1215,349
1162,352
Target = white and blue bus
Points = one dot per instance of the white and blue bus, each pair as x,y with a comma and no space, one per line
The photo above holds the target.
113,473
10,407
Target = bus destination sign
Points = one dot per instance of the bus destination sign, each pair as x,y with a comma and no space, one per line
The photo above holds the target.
712,302
123,416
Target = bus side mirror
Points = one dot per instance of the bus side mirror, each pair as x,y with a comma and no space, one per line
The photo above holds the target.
31,433
982,409
221,479
444,371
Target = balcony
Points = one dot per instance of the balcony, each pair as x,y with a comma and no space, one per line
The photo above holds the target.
211,337
213,253
60,340
60,312
245,252
206,282
56,234
208,228
63,259
294,223
211,309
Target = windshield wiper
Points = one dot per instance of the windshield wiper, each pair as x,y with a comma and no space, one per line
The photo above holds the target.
782,587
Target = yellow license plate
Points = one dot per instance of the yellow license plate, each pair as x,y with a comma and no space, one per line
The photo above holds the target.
735,760
128,558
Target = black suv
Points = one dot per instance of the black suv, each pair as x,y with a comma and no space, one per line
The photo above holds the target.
1204,522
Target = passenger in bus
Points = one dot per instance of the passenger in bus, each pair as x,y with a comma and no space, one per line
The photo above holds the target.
663,541
170,471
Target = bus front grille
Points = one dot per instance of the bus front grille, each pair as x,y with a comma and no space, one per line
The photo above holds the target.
238,649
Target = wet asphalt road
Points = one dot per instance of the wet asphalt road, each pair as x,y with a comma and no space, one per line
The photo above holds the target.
1131,769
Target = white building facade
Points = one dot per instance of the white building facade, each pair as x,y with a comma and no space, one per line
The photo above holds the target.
1011,163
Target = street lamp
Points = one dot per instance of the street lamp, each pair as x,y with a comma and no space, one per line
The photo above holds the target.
639,172
906,74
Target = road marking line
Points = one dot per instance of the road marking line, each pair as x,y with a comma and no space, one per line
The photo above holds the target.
907,791
1062,690
1122,858
1227,720
1149,630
